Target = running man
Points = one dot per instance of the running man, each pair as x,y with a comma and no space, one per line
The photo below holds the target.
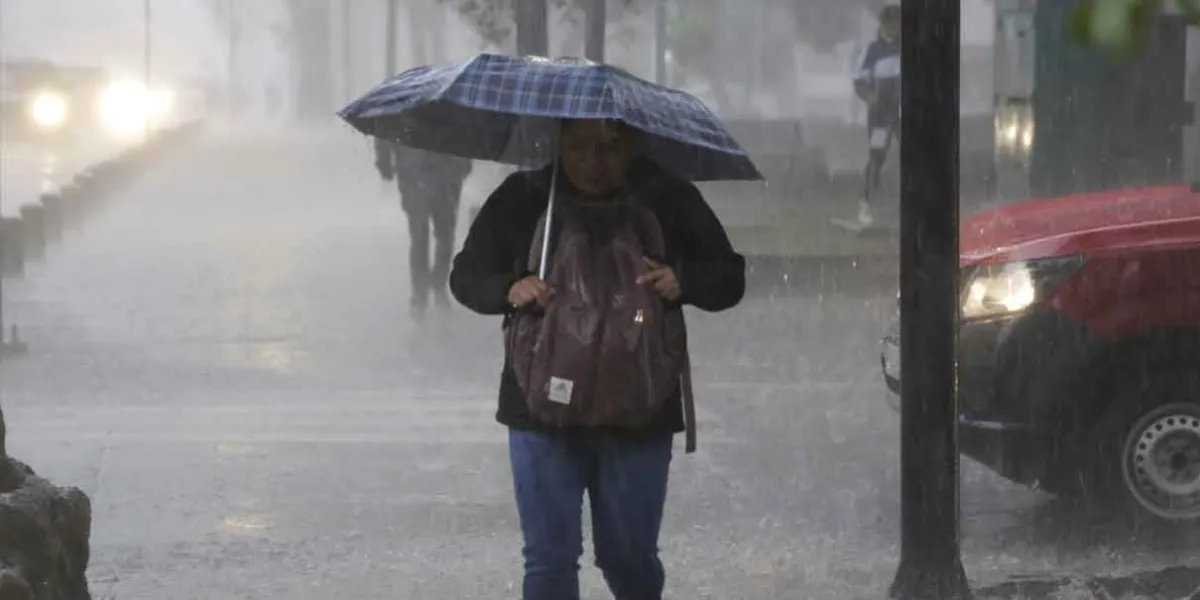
877,83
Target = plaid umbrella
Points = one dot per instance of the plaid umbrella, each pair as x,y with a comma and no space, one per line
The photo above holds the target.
508,110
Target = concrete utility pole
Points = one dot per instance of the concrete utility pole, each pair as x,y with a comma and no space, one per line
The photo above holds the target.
930,557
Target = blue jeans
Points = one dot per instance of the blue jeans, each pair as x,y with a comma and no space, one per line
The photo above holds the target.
626,483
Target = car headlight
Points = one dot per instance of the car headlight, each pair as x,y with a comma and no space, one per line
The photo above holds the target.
129,107
123,107
48,110
1004,289
1014,131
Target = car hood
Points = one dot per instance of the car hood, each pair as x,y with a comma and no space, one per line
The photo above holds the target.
1080,224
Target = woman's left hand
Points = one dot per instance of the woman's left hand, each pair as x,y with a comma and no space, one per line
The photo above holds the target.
663,278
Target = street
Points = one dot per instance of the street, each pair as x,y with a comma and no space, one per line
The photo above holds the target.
224,363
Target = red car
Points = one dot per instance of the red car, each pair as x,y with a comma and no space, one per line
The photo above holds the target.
1079,346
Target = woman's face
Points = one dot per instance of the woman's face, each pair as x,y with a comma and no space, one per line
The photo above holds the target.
596,155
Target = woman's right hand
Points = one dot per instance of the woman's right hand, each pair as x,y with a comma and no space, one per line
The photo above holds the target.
528,290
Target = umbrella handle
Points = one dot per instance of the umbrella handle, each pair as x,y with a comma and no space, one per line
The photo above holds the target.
549,220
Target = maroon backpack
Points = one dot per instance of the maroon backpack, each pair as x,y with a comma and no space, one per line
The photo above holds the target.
606,352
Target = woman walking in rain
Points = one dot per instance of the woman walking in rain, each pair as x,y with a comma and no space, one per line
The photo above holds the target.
590,260
624,472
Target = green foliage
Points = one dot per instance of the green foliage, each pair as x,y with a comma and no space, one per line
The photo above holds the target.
1120,27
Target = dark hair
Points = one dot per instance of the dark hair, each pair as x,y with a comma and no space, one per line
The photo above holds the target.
889,12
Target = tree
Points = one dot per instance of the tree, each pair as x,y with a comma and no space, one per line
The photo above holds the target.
597,26
533,34
1121,26
312,44
495,20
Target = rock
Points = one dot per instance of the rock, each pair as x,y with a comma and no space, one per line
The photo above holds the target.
44,533
12,587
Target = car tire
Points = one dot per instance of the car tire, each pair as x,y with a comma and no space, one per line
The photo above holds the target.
1148,445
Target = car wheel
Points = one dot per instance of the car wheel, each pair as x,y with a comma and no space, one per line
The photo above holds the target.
1160,462
1148,445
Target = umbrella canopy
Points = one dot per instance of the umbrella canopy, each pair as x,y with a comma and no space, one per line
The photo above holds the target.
509,110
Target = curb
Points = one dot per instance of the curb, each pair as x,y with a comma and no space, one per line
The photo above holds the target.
44,224
1173,582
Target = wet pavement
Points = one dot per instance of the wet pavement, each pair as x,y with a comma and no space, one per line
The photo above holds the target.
224,363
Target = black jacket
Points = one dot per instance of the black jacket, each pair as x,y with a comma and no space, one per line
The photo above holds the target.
421,175
879,74
496,251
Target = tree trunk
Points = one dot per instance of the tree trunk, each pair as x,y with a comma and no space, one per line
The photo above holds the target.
435,16
533,37
312,47
231,93
390,45
418,27
596,22
347,51
660,42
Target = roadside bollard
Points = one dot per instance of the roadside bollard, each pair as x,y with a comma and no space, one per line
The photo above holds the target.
72,200
106,176
87,189
96,188
12,257
33,218
53,217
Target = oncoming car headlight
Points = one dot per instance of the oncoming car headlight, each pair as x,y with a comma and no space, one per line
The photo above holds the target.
129,107
1004,289
1014,130
48,110
122,107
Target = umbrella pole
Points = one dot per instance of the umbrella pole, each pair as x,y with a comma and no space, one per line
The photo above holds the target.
549,220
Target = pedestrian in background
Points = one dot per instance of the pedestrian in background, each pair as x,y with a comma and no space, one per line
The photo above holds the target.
877,84
430,189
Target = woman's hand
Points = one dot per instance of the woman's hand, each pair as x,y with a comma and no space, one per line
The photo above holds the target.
663,279
530,289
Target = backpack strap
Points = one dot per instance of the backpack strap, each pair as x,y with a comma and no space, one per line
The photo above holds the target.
689,405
